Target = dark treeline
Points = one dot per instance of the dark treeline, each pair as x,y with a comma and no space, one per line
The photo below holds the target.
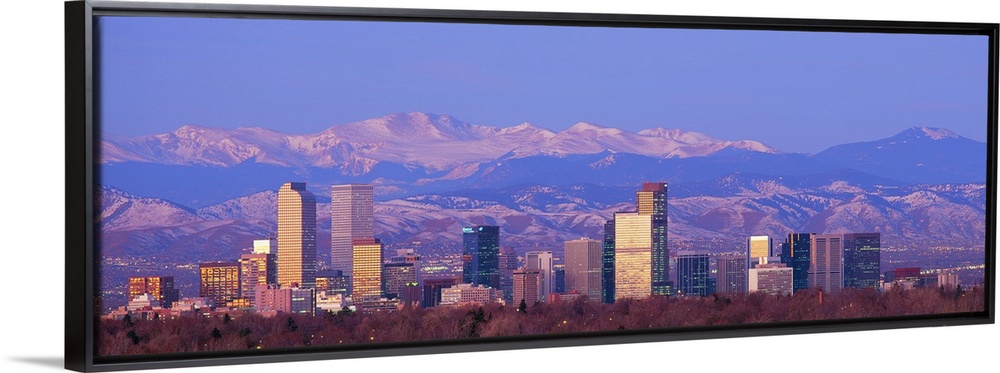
244,330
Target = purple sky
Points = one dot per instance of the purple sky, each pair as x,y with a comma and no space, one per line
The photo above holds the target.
798,91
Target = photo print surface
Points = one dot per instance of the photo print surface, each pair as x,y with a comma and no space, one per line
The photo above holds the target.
266,184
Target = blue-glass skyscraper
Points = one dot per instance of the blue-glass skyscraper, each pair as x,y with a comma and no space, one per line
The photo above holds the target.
608,263
481,255
862,259
795,253
692,274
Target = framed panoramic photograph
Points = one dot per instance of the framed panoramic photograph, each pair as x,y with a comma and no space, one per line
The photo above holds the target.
266,183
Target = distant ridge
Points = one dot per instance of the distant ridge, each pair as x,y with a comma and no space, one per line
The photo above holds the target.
431,141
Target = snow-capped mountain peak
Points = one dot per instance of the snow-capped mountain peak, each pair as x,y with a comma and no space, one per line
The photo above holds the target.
436,142
938,133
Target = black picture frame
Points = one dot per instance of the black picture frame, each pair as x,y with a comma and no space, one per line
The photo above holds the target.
80,112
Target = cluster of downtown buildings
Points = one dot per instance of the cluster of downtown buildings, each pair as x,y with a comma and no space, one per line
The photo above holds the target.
632,261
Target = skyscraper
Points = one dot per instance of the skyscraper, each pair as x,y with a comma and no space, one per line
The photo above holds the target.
826,266
795,254
542,261
219,282
296,236
558,278
481,255
608,263
759,247
692,273
259,268
584,259
395,276
862,260
633,255
508,264
527,286
367,263
161,288
651,200
732,274
352,215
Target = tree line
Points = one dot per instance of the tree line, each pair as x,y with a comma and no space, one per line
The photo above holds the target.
240,330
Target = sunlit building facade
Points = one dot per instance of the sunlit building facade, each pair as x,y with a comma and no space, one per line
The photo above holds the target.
633,255
219,282
367,263
759,247
161,288
651,200
265,246
352,215
296,236
257,269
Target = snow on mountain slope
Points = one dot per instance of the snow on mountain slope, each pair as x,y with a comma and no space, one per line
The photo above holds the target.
437,142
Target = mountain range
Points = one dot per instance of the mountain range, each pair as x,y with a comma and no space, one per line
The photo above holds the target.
432,142
416,153
202,193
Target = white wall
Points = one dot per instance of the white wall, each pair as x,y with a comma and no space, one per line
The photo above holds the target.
31,144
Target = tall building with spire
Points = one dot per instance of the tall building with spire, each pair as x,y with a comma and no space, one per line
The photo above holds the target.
352,215
296,236
651,200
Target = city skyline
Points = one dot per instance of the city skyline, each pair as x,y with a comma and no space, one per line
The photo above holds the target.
857,270
386,286
427,179
830,256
